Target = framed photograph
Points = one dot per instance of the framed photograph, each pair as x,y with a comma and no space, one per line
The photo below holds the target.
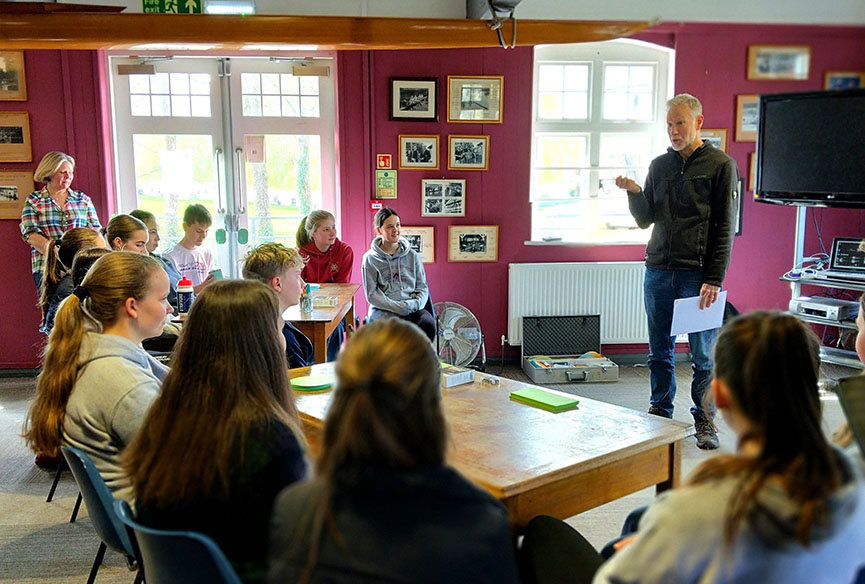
15,137
13,83
752,172
443,198
419,151
473,243
747,116
844,79
767,62
741,200
475,99
414,99
717,138
14,188
468,152
422,241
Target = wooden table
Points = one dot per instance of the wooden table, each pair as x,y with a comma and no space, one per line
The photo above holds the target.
537,462
321,322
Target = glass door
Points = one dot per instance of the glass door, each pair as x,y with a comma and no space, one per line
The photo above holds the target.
251,139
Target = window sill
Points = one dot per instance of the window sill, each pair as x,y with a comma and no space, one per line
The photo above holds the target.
581,243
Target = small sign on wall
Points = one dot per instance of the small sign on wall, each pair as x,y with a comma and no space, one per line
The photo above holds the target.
385,184
383,161
375,206
172,6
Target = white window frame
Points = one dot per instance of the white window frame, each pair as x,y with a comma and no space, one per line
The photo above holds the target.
598,55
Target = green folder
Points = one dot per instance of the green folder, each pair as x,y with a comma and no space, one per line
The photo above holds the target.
540,398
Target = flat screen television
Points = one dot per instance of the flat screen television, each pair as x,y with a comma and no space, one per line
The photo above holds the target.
811,148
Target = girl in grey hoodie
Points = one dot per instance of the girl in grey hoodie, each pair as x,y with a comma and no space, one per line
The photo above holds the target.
97,382
394,280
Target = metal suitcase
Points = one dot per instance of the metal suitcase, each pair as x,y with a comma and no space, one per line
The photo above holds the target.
564,349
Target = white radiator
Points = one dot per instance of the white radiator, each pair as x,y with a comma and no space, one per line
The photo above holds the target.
612,289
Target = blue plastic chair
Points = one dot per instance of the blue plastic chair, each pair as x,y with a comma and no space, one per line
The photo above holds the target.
100,505
176,557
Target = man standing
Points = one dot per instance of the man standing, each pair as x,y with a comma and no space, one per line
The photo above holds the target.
689,197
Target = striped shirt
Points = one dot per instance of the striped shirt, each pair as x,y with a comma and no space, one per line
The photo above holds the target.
42,215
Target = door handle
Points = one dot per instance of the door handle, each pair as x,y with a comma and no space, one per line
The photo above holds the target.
239,181
217,155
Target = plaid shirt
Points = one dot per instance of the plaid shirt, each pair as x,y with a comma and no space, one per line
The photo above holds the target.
42,215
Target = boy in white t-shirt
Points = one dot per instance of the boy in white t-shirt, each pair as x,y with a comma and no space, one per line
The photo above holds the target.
191,260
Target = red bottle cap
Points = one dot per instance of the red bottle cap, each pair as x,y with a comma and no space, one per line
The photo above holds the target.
184,282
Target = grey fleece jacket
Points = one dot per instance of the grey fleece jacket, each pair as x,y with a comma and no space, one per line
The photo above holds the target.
680,538
117,382
394,283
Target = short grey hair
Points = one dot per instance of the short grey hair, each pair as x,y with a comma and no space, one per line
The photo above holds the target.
688,100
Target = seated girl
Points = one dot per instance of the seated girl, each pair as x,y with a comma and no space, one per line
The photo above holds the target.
223,438
126,233
384,506
328,260
57,281
97,382
787,506
394,280
153,239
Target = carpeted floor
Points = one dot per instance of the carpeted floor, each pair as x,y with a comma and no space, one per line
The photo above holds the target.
39,545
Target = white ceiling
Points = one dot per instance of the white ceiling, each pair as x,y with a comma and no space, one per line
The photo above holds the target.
836,12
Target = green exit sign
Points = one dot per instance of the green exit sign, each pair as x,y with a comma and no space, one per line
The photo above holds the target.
172,6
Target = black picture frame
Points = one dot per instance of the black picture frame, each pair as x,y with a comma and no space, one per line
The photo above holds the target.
741,213
414,99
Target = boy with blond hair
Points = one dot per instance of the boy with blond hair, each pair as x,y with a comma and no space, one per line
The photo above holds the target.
279,267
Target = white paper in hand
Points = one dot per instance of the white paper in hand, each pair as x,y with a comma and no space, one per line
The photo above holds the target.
688,318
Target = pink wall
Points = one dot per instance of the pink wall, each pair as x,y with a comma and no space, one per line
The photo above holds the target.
710,62
62,98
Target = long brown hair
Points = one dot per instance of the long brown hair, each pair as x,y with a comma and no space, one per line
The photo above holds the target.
58,260
770,362
386,411
110,281
228,376
122,226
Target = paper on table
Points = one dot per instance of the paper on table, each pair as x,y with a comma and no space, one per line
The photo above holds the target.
688,318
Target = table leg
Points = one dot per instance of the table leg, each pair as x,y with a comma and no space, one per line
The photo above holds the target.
319,342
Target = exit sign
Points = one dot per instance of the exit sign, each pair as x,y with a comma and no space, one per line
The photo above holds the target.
172,6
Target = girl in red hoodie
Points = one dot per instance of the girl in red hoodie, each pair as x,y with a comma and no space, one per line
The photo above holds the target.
328,259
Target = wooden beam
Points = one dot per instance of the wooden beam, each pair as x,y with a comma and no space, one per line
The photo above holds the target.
125,31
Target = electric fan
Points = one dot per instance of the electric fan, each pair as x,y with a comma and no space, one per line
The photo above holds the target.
459,334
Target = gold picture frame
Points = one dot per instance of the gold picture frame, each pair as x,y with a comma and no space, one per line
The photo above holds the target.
473,243
773,62
716,137
468,152
747,117
15,137
15,186
419,151
422,240
752,172
843,79
475,100
13,80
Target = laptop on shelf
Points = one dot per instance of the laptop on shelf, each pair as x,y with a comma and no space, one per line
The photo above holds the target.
846,262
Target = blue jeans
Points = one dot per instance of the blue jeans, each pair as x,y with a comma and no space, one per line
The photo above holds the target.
661,288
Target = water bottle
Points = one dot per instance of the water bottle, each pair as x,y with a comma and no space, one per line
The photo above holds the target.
306,300
184,295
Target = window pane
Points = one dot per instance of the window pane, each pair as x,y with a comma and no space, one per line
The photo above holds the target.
616,78
560,184
159,83
576,78
199,84
139,84
289,84
180,83
160,105
561,151
616,106
291,106
550,78
576,106
270,83
201,106
140,105
550,106
589,220
270,106
251,105
309,85
309,107
180,106
642,78
250,83
641,107
626,150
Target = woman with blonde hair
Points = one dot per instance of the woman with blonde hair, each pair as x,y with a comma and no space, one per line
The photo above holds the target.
55,209
787,506
384,506
97,382
126,233
224,436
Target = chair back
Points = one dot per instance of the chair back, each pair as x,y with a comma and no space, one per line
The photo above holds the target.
99,500
176,557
